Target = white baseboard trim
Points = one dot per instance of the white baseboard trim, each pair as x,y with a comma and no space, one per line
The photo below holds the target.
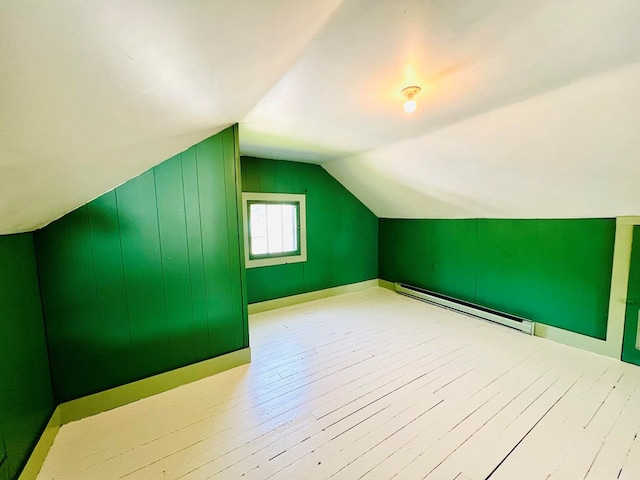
310,296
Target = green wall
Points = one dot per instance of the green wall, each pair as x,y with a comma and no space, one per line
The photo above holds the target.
26,396
342,234
4,462
629,351
147,277
556,272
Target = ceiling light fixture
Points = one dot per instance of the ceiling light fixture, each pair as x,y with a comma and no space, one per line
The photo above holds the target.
410,104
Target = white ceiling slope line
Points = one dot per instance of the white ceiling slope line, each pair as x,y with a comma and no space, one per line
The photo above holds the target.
570,153
95,93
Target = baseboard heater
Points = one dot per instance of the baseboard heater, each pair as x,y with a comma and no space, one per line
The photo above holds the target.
467,308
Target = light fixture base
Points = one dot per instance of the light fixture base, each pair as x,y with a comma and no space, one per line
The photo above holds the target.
410,92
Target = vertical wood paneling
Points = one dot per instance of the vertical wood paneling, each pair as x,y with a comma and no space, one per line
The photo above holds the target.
4,463
289,177
61,310
275,282
232,200
630,350
556,272
141,259
238,216
268,175
112,297
175,261
250,174
3,448
342,234
507,263
439,255
195,246
26,395
211,179
91,361
323,218
146,278
575,259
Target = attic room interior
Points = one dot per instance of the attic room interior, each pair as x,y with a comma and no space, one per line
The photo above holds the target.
234,245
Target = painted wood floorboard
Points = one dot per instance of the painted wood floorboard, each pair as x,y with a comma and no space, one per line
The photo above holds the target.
374,385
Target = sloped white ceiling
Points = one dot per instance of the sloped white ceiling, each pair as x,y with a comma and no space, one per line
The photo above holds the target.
93,93
572,152
528,109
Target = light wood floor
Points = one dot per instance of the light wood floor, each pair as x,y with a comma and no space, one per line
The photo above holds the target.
375,385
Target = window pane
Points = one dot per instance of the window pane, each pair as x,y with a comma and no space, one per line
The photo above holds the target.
289,231
258,245
258,216
274,228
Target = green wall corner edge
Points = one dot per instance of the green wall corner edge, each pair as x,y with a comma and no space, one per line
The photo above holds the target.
122,395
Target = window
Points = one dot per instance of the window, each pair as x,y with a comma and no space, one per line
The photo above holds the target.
274,229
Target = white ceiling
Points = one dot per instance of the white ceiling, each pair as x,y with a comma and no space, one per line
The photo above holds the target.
528,109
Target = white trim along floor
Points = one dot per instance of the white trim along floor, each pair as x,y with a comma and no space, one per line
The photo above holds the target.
374,385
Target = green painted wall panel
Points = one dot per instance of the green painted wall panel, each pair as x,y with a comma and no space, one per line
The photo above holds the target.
508,266
575,259
232,142
174,252
289,176
630,352
147,277
3,448
115,330
26,395
268,176
342,238
439,255
236,277
89,353
251,174
55,243
4,462
195,254
556,272
141,259
276,281
214,229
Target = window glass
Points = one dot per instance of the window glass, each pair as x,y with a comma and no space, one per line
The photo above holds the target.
274,229
258,216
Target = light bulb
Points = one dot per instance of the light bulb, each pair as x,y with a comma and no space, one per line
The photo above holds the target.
410,106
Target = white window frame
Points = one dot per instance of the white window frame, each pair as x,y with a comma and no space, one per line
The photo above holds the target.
274,197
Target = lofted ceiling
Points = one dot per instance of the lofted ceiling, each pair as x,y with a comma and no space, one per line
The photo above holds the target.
528,108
